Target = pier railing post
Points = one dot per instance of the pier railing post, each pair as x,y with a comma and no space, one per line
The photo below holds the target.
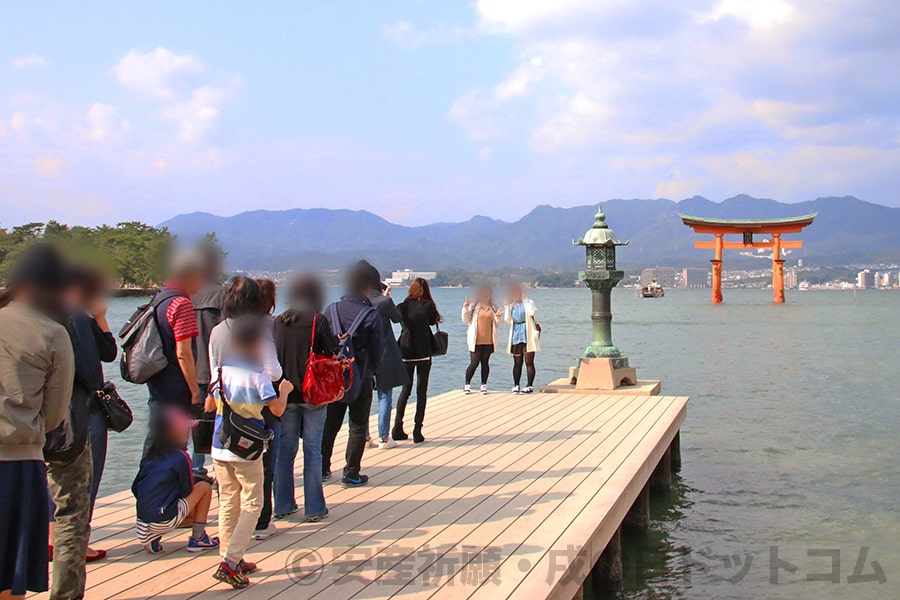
638,518
661,479
607,575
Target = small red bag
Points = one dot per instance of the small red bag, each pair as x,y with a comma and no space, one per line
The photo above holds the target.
324,379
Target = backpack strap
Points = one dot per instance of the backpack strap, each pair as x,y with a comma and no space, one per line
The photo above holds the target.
334,319
156,303
358,321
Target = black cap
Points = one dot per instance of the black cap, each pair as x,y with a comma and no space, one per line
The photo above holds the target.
41,267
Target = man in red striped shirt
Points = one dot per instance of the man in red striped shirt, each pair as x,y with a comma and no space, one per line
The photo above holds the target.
176,385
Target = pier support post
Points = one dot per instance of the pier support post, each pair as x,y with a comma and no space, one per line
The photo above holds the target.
675,449
638,518
661,479
607,575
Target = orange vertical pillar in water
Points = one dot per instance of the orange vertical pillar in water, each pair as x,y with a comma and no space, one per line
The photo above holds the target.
717,271
777,270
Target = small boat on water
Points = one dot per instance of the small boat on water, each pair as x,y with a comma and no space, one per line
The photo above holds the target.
804,286
654,290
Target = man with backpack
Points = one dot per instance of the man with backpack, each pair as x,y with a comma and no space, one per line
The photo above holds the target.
175,385
359,329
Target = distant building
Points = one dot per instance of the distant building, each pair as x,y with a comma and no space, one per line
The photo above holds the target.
695,278
664,275
406,276
790,278
865,279
887,279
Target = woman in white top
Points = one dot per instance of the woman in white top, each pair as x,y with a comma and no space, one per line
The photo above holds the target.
482,317
524,335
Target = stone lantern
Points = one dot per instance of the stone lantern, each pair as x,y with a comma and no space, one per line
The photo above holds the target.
602,366
601,277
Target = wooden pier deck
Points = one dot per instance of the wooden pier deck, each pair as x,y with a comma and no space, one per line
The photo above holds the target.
512,496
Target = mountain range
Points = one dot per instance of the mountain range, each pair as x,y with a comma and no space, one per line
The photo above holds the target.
846,230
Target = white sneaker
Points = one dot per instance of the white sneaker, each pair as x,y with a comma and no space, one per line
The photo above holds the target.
528,390
484,389
387,444
371,443
516,390
264,534
467,389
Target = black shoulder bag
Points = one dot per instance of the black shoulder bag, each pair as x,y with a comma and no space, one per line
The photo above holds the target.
117,412
240,435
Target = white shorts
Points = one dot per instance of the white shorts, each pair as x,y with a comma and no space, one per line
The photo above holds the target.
147,532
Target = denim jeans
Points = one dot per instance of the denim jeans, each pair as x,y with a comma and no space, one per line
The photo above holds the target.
308,422
385,404
99,442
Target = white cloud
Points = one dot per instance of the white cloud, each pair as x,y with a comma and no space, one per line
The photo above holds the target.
174,81
197,114
160,72
104,122
758,14
687,83
29,61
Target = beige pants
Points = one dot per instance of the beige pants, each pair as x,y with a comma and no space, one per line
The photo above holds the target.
240,502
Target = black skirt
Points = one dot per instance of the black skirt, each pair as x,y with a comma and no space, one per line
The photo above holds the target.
24,563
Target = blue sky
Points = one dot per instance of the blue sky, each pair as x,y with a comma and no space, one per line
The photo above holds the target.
423,111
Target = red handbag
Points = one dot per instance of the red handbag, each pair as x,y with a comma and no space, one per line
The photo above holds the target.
324,379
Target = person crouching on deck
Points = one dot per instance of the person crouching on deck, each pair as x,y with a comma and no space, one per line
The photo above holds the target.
240,391
164,489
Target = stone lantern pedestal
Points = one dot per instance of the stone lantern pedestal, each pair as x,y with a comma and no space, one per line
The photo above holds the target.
602,367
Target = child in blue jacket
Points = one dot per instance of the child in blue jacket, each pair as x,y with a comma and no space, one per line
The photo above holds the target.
164,488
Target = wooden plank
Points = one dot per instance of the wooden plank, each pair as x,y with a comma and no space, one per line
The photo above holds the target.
459,507
407,489
560,505
460,425
606,498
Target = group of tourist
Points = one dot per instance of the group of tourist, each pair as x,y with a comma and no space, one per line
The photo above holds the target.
231,390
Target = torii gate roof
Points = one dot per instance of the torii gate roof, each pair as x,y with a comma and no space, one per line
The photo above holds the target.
784,225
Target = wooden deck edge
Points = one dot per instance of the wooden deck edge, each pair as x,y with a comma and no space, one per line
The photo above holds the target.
568,585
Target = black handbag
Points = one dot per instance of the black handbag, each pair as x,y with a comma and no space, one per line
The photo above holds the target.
239,435
440,341
117,412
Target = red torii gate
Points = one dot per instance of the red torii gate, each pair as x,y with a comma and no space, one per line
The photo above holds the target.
747,228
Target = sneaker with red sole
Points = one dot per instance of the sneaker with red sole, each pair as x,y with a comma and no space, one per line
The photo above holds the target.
232,577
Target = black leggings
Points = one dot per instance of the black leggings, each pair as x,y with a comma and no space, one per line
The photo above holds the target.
528,359
421,369
481,356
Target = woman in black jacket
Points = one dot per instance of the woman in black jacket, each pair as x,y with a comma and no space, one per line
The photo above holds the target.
293,333
419,313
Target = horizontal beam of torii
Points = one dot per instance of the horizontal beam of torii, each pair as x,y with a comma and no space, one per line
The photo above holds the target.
748,228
